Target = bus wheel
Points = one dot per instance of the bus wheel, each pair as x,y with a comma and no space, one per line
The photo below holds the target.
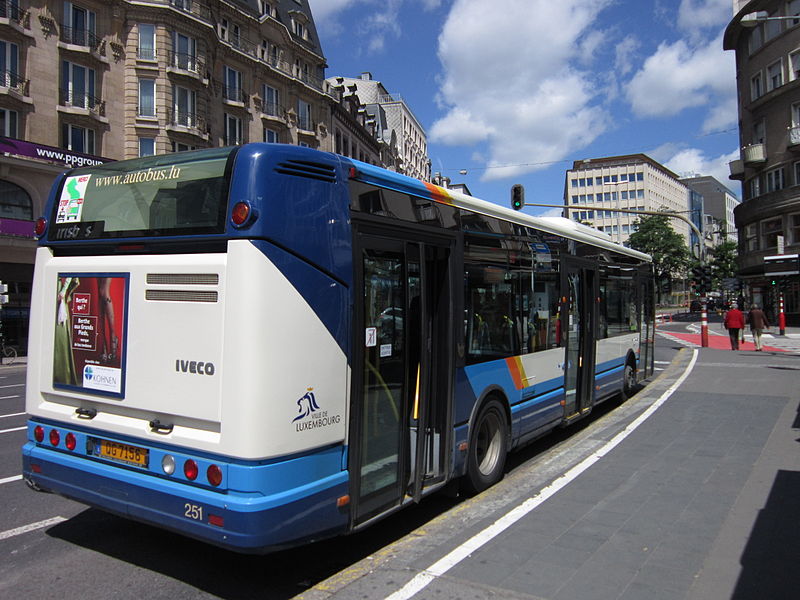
487,448
629,382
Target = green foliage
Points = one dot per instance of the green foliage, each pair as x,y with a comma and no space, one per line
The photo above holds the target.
655,236
722,260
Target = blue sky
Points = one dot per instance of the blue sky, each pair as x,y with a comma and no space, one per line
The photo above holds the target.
513,91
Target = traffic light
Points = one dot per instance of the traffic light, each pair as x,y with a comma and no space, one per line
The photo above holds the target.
701,275
3,293
707,279
517,196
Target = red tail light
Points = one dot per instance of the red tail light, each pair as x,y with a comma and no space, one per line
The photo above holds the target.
55,437
214,474
241,214
70,441
38,433
190,469
40,227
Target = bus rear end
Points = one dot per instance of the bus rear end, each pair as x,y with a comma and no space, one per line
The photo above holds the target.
179,375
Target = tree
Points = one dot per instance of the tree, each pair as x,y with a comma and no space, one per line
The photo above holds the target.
654,236
722,260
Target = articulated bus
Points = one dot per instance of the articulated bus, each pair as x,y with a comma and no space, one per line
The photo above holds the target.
266,345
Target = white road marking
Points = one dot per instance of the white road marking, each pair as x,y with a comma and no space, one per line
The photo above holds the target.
11,479
4,535
12,429
439,568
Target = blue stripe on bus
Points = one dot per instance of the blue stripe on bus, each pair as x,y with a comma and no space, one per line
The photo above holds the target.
327,298
286,502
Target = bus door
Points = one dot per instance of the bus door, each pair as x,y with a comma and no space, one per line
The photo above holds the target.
647,333
579,321
402,372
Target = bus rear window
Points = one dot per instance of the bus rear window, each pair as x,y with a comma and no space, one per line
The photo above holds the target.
166,195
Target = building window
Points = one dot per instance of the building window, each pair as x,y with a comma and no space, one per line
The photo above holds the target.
147,146
9,123
147,42
184,106
147,98
184,50
233,130
77,139
775,180
756,87
774,75
271,101
793,10
77,85
756,39
759,132
271,136
304,116
15,203
750,242
180,147
9,64
754,186
233,85
79,25
770,230
223,29
794,229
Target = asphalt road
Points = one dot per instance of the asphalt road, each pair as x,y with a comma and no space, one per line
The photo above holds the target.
51,547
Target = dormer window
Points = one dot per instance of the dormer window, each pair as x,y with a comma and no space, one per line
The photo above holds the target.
299,24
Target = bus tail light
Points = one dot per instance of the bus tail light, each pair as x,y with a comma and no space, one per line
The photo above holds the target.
70,441
38,433
55,437
242,214
40,227
214,475
190,469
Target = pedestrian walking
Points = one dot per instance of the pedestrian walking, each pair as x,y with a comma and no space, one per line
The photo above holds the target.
758,323
734,323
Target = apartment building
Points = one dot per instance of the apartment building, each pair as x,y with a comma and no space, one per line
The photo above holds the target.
596,186
96,80
395,120
765,35
719,204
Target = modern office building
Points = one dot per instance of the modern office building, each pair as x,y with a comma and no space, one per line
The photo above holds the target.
395,123
92,80
768,82
719,204
631,182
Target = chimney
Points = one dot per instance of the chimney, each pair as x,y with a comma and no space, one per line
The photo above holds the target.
366,76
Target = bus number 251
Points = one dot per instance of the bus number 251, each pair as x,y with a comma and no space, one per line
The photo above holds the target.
192,511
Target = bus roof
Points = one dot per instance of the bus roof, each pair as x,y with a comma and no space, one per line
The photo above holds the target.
555,225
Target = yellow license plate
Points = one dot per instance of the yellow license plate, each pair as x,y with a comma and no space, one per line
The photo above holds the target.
125,453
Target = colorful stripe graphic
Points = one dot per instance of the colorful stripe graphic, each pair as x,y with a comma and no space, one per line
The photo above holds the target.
439,194
517,372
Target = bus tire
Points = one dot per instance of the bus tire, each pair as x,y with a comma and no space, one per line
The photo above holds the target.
486,457
629,383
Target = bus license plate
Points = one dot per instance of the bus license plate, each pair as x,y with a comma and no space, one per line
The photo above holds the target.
124,453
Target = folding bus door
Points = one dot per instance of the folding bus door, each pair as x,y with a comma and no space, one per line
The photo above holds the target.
579,319
402,372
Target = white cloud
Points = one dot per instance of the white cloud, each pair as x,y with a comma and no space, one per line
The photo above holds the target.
679,76
624,54
696,15
690,162
510,80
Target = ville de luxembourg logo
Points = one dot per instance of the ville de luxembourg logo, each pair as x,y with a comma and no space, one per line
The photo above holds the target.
310,415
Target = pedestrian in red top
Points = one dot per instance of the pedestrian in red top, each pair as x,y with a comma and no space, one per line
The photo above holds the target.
734,323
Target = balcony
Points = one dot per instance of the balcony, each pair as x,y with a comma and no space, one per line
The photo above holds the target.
754,155
186,64
235,95
12,14
187,122
84,103
83,39
14,84
271,110
193,8
737,169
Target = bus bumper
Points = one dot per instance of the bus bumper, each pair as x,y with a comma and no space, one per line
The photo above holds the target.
249,523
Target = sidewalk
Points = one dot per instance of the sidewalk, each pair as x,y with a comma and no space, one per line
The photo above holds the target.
698,502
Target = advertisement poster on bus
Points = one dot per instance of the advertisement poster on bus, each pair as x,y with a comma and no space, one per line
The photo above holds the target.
90,330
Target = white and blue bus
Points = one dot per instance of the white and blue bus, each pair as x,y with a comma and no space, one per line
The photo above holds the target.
265,345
